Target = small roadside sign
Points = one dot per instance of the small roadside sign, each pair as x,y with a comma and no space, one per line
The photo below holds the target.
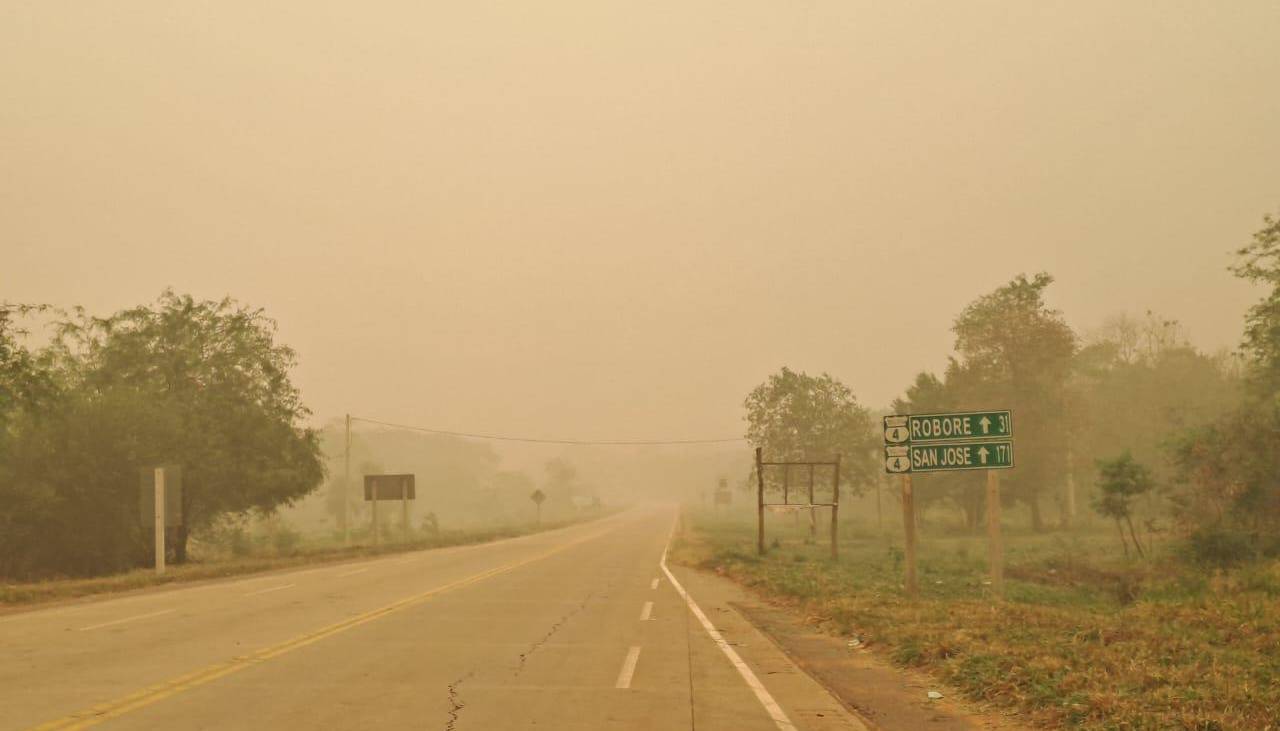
388,487
916,428
971,455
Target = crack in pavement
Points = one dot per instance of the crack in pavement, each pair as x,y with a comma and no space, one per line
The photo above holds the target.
555,627
455,704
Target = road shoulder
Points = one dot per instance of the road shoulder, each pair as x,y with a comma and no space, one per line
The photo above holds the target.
879,695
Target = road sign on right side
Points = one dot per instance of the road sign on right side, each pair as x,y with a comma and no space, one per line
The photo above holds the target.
996,454
917,428
966,440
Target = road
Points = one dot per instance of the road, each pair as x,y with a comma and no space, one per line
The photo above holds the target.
578,628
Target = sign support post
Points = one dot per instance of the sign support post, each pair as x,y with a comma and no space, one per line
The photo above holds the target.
404,510
813,517
160,521
835,511
909,524
376,538
995,544
759,501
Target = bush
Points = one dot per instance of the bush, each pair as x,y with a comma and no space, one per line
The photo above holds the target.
1221,547
286,540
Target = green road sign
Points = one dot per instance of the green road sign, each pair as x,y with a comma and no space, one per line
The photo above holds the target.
968,425
970,455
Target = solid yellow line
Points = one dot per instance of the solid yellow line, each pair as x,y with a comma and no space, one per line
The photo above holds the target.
154,694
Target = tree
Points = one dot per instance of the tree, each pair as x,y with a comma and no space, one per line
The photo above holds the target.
1231,467
215,396
1259,262
1120,482
1015,352
929,394
797,417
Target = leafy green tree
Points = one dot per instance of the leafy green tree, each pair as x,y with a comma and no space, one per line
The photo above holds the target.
1120,482
1015,352
1231,468
1259,262
214,395
797,417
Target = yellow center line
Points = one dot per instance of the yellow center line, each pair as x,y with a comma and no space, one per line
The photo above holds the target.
95,715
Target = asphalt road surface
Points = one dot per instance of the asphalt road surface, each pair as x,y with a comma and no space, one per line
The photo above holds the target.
579,628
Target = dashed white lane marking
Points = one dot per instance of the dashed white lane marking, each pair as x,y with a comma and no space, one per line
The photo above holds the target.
653,584
127,619
762,694
269,590
646,611
352,573
628,668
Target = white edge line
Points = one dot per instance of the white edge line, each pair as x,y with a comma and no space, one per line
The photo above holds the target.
628,668
762,694
646,612
271,589
126,619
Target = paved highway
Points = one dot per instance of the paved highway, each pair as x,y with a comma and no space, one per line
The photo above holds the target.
578,628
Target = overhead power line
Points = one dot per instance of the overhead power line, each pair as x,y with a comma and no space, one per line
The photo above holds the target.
535,440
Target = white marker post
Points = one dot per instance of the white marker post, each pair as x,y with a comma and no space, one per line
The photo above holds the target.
159,521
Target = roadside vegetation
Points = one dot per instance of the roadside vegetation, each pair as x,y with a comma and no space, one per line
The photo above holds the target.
1142,515
1086,638
236,549
89,402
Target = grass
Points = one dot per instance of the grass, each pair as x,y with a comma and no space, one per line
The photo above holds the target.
218,563
1085,638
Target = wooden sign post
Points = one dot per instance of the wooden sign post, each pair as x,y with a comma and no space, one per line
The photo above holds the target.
909,524
995,542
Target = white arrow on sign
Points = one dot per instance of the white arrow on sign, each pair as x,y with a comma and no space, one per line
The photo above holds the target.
982,454
986,424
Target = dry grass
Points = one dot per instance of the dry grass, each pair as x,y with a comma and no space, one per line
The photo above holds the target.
1085,639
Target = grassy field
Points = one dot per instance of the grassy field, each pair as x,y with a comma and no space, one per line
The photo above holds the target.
212,562
1085,638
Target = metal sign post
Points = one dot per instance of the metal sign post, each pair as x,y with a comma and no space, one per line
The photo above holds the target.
787,505
537,497
388,487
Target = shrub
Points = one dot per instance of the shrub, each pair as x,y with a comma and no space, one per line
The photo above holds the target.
1220,547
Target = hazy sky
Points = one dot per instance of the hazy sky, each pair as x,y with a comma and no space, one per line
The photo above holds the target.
612,219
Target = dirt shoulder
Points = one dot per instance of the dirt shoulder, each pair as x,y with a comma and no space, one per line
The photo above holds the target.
882,697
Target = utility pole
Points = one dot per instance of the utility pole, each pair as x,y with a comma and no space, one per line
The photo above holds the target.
346,486
159,491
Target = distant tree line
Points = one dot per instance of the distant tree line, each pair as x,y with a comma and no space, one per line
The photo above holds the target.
200,384
1130,420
